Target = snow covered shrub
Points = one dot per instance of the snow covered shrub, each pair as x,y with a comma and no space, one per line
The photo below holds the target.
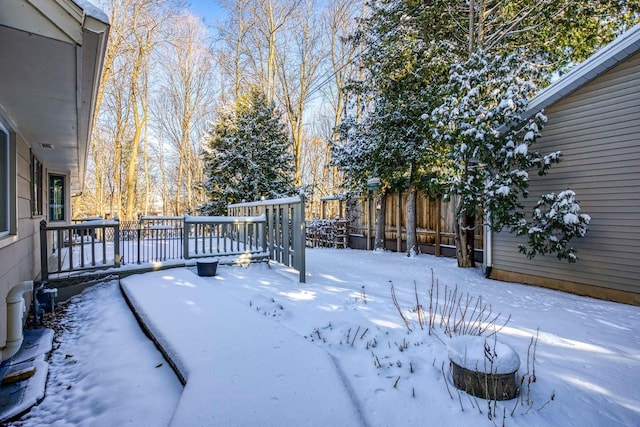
490,154
555,221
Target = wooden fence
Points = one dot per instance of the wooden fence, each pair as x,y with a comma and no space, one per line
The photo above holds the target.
435,224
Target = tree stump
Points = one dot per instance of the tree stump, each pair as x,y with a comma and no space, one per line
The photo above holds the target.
484,367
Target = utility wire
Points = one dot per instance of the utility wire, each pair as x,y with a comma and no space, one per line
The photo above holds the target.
333,73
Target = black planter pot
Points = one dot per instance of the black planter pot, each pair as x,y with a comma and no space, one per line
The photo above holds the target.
207,268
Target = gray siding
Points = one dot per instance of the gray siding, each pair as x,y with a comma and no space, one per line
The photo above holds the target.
597,128
20,259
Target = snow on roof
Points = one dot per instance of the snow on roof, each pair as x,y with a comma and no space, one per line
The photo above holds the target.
90,9
617,51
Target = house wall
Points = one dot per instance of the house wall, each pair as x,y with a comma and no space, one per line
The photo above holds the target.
19,253
598,130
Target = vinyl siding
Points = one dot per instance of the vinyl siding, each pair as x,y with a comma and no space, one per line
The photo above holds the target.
20,260
597,128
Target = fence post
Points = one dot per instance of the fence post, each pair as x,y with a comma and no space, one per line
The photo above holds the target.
116,242
44,262
399,222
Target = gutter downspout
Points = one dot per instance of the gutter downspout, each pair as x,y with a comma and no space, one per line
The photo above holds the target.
15,312
488,249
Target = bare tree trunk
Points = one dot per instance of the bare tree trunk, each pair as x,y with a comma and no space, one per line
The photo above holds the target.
297,65
341,20
412,235
98,144
464,237
472,13
143,32
381,212
188,98
147,178
163,182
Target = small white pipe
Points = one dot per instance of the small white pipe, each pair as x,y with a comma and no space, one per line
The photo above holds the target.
15,312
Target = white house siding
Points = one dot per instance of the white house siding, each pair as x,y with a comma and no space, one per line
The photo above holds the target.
597,128
19,260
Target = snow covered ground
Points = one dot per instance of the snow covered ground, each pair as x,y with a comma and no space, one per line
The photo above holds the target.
587,355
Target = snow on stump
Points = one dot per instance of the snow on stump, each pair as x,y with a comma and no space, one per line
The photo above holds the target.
207,268
484,367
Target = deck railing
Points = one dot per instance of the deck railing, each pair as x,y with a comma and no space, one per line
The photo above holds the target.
79,246
234,235
89,245
285,228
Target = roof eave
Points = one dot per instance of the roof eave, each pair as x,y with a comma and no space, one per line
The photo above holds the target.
625,46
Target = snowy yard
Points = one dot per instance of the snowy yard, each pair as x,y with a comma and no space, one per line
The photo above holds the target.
587,356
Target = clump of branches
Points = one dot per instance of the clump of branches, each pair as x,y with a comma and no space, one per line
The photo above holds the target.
460,313
456,313
397,305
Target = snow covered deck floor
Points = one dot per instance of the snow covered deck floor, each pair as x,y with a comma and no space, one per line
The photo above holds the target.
240,367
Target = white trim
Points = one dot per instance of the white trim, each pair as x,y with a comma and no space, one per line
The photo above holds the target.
6,183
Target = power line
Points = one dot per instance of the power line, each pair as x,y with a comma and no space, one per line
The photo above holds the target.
333,73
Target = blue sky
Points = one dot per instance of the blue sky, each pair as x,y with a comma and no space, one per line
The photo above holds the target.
210,10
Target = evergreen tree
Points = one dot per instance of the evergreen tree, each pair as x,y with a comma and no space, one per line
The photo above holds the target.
408,47
247,155
490,153
383,134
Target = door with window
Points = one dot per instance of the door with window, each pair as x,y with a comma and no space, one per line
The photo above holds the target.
56,198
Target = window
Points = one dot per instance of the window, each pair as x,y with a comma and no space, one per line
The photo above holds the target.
36,186
5,182
56,198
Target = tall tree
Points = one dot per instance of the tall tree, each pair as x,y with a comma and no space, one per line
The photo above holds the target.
279,47
549,33
340,21
298,64
184,105
384,134
491,155
409,47
247,155
232,50
147,18
123,102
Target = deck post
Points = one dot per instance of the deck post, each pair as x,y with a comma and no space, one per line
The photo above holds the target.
138,237
185,238
116,242
300,238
